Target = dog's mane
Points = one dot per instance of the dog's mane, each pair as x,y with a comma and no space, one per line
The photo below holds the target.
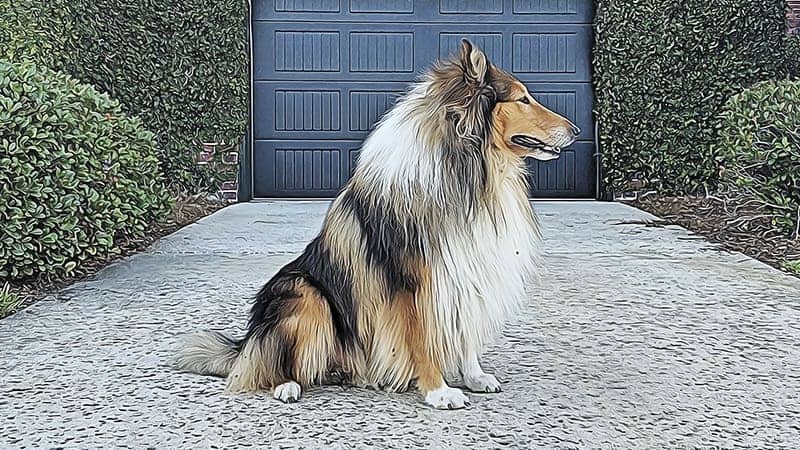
448,116
464,128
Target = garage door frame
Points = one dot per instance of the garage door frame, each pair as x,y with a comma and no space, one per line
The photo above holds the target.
247,172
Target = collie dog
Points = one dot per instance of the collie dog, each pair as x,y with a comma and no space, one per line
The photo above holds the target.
422,256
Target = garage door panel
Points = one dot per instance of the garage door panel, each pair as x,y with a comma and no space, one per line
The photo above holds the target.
380,6
326,71
391,52
324,6
323,51
531,53
576,8
565,176
470,6
320,168
484,11
345,110
306,51
544,53
300,111
330,110
302,168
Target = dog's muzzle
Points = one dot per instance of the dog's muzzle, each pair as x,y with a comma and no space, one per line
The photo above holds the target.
523,140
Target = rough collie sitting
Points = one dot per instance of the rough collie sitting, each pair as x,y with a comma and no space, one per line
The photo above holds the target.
421,257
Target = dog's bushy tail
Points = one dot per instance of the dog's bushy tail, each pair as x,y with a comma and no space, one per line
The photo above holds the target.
208,353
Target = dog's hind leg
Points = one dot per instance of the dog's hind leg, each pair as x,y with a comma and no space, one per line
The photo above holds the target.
296,349
309,326
260,364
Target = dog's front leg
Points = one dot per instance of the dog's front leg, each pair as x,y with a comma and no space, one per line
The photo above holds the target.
430,380
408,313
475,378
439,395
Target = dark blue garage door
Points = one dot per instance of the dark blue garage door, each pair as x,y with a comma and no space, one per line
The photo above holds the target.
324,71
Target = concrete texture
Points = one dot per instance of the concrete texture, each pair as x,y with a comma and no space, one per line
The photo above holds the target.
636,337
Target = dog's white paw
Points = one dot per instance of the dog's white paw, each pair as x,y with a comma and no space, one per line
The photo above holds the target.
288,392
482,383
447,398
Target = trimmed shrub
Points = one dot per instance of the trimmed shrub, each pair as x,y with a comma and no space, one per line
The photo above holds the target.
77,176
759,148
178,65
663,70
793,55
34,31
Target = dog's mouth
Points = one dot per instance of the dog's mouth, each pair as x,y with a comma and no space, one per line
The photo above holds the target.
531,143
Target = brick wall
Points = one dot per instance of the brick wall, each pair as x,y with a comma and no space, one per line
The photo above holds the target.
224,159
794,16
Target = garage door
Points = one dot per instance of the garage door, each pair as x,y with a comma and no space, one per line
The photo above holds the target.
324,71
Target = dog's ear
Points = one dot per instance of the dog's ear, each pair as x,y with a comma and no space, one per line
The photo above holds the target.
475,63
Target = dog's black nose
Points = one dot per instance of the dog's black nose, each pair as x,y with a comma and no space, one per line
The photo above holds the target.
575,130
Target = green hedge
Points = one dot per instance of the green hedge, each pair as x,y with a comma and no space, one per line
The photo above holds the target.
179,65
77,176
34,31
663,70
759,148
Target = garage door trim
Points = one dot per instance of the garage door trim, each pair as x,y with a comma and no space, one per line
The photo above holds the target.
247,185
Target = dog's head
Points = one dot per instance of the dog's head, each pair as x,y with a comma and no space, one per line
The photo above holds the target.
519,124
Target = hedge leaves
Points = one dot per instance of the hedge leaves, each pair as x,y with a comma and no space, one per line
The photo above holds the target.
178,65
663,71
77,175
759,148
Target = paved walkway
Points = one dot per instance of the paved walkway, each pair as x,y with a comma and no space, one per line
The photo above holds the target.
638,337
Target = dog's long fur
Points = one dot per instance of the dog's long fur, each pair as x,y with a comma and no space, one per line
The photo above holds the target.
421,257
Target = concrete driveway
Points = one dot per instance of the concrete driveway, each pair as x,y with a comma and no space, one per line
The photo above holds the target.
637,337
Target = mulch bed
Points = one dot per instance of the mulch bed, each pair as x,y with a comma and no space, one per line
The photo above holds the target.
187,211
736,226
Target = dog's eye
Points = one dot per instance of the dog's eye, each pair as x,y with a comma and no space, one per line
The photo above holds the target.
524,100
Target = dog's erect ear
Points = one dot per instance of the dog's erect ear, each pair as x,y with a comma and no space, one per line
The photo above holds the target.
474,61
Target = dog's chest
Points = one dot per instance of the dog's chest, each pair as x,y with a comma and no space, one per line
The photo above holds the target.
485,268
505,248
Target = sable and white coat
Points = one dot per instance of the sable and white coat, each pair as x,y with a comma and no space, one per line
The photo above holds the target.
421,258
